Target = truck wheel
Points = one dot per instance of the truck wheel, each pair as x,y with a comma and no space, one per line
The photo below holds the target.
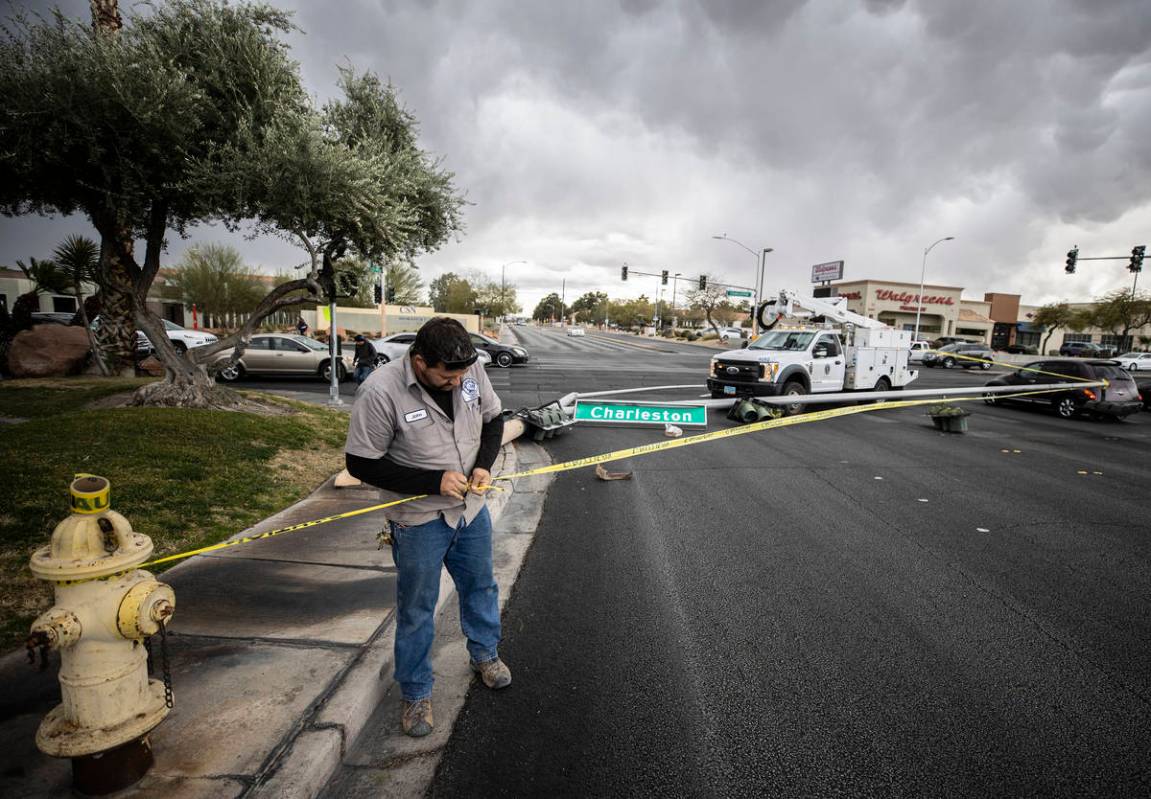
793,389
882,384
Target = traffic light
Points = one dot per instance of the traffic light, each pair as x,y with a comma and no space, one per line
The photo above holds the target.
391,294
623,272
1136,264
663,277
702,282
1072,257
378,295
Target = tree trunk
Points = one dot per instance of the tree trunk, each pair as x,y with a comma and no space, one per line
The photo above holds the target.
106,16
117,332
1047,338
189,386
82,313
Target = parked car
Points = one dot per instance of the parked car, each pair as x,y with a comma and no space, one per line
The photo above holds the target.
1120,398
1083,349
503,354
963,355
1145,394
728,333
918,349
575,331
284,354
943,341
52,317
1135,361
1021,349
390,348
184,339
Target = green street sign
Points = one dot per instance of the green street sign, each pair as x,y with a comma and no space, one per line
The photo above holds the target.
738,293
639,414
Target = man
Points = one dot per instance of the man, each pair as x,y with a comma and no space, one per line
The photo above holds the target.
302,327
365,359
430,423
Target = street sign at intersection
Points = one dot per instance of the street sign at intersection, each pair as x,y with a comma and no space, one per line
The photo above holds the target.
739,293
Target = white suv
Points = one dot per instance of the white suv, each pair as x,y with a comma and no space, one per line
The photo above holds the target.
184,339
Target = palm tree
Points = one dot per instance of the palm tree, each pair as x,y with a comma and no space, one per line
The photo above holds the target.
78,258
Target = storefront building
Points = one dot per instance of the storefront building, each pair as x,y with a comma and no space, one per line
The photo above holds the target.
998,320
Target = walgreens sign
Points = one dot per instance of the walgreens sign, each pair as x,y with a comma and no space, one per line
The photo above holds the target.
890,295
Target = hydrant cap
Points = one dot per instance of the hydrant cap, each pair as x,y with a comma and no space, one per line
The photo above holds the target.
94,541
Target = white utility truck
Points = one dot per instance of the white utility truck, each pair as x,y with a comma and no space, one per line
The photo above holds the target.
844,352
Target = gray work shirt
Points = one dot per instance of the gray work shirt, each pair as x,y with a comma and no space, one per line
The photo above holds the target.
393,415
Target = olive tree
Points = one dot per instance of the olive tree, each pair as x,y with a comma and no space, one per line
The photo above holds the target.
194,112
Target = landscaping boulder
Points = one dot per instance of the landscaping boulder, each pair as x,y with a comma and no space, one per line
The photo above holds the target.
151,366
48,351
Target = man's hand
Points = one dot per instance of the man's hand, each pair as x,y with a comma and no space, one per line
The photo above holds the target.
453,484
481,479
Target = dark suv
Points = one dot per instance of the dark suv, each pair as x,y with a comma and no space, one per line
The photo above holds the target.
965,355
1119,398
1083,349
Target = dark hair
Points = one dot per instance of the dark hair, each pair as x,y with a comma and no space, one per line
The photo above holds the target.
444,340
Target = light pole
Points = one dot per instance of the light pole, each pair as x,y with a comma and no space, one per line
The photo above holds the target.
674,292
504,284
922,276
760,262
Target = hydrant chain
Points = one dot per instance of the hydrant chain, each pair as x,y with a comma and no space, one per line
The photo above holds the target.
165,666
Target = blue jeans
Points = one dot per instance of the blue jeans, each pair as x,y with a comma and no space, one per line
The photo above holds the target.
419,551
362,373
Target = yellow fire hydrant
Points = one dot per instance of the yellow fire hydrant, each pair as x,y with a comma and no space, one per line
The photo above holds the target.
105,610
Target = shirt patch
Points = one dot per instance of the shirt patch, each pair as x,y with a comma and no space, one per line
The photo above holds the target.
415,416
470,389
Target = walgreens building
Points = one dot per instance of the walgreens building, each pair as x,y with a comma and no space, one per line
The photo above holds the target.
998,320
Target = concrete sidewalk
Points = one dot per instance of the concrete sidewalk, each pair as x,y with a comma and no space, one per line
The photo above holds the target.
280,652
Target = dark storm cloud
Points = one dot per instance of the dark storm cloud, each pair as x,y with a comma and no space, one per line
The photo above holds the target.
587,134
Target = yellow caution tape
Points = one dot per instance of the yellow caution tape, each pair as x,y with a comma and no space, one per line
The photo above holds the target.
607,457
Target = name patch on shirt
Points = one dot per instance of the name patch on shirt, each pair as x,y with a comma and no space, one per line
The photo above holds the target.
415,416
470,389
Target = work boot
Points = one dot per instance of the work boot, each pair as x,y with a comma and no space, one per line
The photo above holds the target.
417,718
494,673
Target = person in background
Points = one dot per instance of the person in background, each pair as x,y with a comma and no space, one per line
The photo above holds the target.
302,327
365,359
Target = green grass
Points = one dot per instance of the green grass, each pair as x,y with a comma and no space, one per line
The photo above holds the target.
187,478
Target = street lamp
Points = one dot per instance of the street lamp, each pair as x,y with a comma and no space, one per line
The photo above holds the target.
504,284
761,260
922,276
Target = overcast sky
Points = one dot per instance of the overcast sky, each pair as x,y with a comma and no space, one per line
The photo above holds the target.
589,134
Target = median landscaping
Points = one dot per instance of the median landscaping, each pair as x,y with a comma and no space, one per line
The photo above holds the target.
185,477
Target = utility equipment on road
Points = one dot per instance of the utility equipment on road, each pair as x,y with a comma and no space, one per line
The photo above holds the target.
830,350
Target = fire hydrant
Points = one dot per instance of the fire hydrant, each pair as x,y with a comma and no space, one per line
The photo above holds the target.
105,610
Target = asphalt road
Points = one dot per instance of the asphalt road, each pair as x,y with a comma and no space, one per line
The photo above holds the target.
859,607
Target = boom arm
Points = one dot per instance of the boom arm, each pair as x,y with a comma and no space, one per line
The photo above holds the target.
833,308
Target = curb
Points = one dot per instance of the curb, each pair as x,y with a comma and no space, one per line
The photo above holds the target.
309,761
